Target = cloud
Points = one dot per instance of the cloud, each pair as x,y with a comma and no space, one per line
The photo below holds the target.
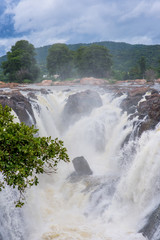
64,20
69,21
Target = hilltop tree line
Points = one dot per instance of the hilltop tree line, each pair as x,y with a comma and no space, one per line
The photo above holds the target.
86,61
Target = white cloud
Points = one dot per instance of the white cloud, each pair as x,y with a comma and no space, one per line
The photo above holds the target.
62,16
6,43
136,40
69,21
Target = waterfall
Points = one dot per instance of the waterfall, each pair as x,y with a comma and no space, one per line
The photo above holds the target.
113,202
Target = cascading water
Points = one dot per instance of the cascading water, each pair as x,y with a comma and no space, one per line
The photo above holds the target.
113,202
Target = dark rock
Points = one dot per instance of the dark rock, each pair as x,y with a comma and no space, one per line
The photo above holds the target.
152,224
81,166
20,105
148,111
80,104
44,91
151,110
32,95
134,96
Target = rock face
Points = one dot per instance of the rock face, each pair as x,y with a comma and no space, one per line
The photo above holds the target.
80,104
151,109
147,110
152,224
20,105
134,96
81,166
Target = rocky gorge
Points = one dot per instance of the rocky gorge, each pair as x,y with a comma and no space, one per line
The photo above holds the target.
140,102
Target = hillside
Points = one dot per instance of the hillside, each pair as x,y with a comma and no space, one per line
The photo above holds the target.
124,56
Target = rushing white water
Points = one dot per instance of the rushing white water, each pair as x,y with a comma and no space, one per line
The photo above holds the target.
110,204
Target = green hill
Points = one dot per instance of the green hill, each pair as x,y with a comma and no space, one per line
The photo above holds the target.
124,56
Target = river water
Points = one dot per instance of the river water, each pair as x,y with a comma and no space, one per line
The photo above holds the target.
111,204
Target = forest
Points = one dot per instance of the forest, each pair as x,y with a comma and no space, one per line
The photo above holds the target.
127,61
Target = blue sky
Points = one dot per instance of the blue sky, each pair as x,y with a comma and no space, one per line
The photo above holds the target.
44,22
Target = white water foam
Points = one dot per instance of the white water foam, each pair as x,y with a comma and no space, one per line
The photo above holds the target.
112,203
108,205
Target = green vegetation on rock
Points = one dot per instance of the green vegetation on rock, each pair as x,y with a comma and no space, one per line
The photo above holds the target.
23,155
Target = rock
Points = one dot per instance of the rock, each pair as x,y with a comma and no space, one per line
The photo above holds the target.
139,81
80,104
129,104
151,109
46,83
32,95
9,85
93,81
44,91
81,166
152,224
20,105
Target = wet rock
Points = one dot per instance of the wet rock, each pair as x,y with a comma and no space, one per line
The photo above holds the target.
152,224
20,105
151,110
32,95
134,96
81,166
80,104
44,91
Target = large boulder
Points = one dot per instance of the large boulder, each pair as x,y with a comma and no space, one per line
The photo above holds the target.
81,166
20,105
80,104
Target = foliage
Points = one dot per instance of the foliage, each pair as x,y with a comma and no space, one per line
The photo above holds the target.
134,72
59,60
23,155
124,57
21,63
93,61
138,71
150,75
120,75
142,66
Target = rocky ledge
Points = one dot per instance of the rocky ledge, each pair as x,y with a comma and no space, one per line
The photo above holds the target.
20,105
78,105
141,101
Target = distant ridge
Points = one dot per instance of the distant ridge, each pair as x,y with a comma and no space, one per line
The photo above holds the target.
124,55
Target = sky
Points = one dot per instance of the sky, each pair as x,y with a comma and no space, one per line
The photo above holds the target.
45,22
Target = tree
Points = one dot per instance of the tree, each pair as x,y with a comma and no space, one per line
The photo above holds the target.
138,71
23,155
59,60
21,63
134,72
158,69
142,66
93,61
150,75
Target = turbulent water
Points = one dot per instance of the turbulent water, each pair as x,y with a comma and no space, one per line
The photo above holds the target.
111,204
